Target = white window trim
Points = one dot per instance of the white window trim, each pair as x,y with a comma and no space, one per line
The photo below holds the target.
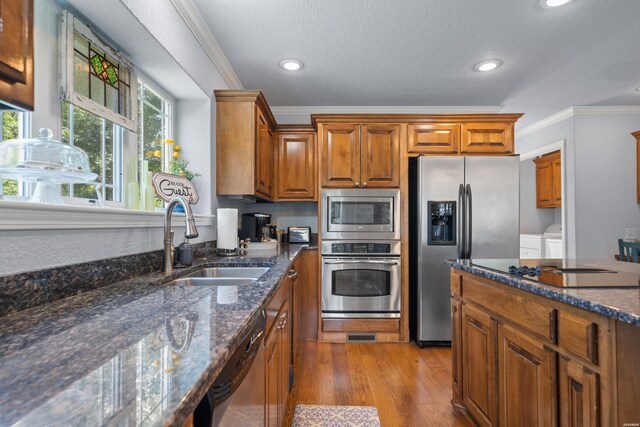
19,215
68,23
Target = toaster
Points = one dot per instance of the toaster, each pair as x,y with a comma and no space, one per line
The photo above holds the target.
299,234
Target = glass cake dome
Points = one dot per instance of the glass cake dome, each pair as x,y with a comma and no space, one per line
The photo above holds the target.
46,162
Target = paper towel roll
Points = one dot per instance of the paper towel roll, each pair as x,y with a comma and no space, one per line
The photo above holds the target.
227,228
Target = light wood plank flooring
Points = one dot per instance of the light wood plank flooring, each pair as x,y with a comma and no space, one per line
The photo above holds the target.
409,386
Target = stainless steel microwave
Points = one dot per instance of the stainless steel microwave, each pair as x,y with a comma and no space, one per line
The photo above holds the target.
361,214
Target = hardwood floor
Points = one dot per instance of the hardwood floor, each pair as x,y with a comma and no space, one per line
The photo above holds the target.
409,386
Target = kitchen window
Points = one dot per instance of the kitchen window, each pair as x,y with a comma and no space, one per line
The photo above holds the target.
14,125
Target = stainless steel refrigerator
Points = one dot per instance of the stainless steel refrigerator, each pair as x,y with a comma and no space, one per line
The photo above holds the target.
459,207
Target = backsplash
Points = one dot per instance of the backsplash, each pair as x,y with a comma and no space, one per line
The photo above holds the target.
26,290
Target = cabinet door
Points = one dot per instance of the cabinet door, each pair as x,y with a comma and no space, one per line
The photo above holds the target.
556,178
16,53
434,138
487,138
272,377
456,353
579,394
296,167
544,183
340,151
526,376
380,156
479,365
264,153
284,360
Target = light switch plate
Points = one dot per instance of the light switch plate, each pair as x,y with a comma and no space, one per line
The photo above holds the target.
630,233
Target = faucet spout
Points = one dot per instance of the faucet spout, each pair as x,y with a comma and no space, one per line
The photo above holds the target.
190,232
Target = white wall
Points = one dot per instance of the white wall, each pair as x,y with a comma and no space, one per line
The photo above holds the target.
606,201
560,131
532,219
24,250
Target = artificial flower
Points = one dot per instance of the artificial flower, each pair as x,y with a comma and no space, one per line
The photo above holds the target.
176,155
177,148
149,153
168,141
157,153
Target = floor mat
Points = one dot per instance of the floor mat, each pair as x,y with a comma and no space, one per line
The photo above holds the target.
335,416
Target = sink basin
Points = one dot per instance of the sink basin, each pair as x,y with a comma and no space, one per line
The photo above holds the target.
230,272
212,281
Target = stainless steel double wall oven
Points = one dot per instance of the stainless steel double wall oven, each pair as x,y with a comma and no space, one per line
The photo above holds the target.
361,272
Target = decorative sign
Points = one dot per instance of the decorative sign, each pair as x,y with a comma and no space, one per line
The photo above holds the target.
168,186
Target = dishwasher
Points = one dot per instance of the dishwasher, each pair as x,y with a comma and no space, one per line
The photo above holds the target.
237,397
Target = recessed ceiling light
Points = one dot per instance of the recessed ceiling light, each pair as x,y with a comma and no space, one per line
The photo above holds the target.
553,3
489,65
291,64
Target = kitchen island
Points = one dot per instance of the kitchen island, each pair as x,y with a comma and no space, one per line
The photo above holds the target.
531,348
138,352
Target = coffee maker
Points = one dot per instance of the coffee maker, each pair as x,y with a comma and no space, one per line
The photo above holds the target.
255,226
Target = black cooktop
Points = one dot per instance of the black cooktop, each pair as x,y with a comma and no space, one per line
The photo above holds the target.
561,273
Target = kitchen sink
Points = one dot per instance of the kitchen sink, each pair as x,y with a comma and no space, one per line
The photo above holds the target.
230,272
212,281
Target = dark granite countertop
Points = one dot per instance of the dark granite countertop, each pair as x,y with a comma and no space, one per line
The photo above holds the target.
618,303
108,355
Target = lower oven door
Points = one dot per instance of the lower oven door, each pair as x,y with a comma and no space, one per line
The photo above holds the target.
360,287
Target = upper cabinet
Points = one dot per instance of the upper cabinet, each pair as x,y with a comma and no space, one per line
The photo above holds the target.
245,151
637,135
16,54
355,155
296,163
462,134
549,180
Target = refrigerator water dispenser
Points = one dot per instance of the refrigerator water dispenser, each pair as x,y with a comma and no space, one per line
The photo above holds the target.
442,223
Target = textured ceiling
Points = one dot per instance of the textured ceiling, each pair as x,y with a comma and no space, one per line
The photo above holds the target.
421,52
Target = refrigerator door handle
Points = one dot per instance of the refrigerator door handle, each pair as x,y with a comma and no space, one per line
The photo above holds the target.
469,218
461,222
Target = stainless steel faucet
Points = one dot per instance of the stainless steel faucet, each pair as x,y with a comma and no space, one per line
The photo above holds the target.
190,231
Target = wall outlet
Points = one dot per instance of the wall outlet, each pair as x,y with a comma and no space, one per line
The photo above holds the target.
631,234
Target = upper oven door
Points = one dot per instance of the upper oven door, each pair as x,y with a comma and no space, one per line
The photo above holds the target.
361,214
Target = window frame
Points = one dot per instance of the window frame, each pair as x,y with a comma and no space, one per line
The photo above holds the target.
69,24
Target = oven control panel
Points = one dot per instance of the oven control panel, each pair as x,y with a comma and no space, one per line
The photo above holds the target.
360,248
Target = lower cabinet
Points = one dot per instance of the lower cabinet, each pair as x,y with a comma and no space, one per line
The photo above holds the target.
478,360
526,373
278,358
578,394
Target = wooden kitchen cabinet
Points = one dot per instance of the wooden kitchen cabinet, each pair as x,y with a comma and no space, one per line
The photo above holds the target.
526,373
296,168
478,361
16,54
354,155
487,138
578,394
245,152
434,138
530,360
272,375
549,180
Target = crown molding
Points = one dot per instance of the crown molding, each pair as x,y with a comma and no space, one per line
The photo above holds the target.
327,109
193,18
605,110
19,215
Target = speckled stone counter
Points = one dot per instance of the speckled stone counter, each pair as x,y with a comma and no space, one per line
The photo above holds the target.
120,354
621,304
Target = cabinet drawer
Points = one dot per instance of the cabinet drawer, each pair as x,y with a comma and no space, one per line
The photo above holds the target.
528,314
578,335
361,325
434,138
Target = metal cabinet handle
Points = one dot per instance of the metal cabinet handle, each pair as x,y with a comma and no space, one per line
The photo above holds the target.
364,184
293,275
357,184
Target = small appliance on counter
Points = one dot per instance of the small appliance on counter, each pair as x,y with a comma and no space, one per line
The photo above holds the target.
299,234
255,226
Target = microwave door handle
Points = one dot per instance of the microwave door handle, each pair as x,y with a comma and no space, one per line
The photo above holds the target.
461,222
